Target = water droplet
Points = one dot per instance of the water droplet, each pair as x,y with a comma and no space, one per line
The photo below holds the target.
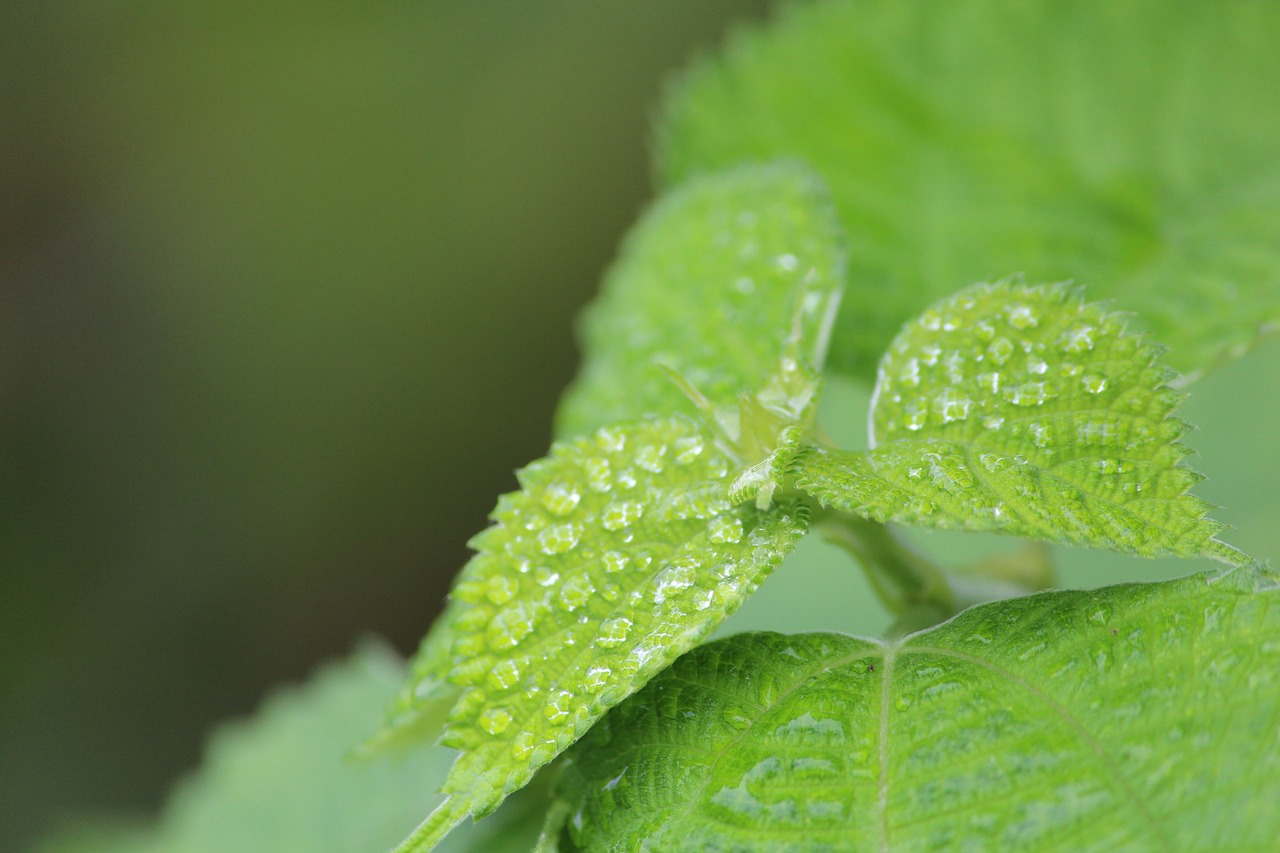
999,350
1077,339
1042,434
650,458
522,746
1069,369
598,474
560,538
951,405
1037,365
931,320
500,589
1093,383
930,353
703,599
1107,466
725,529
597,677
737,720
613,632
916,416
620,514
614,561
672,580
984,330
558,707
509,627
688,449
560,498
787,263
993,421
1021,316
611,440
626,479
989,381
1029,394
745,285
910,374
915,473
504,675
576,592
545,576
495,720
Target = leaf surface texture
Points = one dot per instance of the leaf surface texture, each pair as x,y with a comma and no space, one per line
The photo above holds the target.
1140,717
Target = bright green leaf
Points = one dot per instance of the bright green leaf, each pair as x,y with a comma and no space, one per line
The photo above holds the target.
1129,146
1025,410
1141,717
713,283
281,783
620,552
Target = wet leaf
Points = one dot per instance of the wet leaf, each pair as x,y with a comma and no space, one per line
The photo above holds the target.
1140,717
1024,410
713,283
620,552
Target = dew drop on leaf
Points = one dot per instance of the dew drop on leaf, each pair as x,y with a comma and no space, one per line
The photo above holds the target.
494,720
559,538
576,592
504,675
560,498
1093,383
613,632
725,529
620,514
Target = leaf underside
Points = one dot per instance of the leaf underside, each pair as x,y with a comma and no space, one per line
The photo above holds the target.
619,553
1132,147
709,284
1025,410
1137,717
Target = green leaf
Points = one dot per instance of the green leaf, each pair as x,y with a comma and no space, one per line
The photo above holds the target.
280,782
1129,146
1025,410
620,552
708,284
1141,717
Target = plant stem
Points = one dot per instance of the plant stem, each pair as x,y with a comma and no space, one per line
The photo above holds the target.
903,578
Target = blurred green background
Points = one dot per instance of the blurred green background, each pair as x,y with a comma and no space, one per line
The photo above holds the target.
286,293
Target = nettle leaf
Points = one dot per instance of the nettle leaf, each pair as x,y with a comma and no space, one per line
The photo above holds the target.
620,552
717,283
280,782
1141,717
1025,410
1129,146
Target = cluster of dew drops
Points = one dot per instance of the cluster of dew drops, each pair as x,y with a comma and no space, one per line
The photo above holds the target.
572,543
999,362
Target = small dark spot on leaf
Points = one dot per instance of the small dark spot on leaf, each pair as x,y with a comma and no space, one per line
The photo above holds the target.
871,667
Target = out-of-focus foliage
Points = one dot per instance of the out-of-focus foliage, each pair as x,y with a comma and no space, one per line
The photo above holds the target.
259,264
280,782
1128,146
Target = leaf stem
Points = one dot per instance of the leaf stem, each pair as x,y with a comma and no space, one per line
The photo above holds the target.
908,583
